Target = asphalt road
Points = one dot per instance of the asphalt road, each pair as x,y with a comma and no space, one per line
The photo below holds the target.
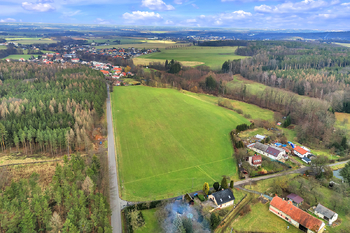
115,204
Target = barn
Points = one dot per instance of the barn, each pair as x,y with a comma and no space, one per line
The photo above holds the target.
295,216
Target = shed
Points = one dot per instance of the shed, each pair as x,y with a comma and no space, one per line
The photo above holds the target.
260,137
325,213
297,200
306,160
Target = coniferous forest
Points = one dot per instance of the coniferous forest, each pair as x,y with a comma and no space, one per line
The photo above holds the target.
52,110
49,108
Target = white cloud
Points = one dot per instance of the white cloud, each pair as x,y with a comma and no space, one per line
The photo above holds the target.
346,4
102,21
39,7
195,6
169,22
71,13
8,20
157,5
293,7
44,1
141,15
179,2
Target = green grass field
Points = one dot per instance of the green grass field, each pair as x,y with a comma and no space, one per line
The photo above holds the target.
260,219
2,47
151,223
343,44
343,120
252,87
168,142
254,111
210,56
18,56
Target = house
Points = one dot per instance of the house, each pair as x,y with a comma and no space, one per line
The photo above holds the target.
275,153
260,137
21,59
326,214
105,72
255,160
300,152
75,60
295,216
222,198
297,200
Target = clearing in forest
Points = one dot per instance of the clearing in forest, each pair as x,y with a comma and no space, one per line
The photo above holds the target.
169,143
210,56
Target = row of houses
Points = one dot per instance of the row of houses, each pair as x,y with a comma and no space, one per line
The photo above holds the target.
269,151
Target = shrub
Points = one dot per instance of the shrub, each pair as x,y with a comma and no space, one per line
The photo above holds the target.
201,197
246,209
248,116
239,111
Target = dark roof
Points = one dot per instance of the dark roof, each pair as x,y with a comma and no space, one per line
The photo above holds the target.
295,198
260,146
297,214
223,196
273,151
324,211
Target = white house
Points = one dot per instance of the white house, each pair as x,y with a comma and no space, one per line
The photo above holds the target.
300,152
222,198
269,151
326,214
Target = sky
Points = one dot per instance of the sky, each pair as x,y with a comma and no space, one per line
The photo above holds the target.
245,14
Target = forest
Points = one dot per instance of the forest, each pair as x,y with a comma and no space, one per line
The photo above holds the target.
311,69
49,108
72,202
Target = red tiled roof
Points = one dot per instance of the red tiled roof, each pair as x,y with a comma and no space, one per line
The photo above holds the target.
105,71
300,150
256,159
296,214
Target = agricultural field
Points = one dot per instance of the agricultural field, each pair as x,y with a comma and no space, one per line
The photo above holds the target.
2,47
30,40
213,57
18,56
169,143
254,111
344,44
137,43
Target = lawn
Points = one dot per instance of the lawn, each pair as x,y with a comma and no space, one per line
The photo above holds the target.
18,56
151,223
210,56
252,87
343,120
260,219
254,111
2,47
169,143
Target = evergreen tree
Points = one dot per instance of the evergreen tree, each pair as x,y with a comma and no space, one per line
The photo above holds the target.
224,183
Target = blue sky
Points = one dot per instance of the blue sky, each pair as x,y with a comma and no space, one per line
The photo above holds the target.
252,14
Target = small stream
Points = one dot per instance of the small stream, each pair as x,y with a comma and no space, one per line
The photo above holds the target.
336,173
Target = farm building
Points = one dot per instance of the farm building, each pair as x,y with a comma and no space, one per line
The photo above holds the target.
326,214
222,198
300,152
295,216
269,151
297,200
255,160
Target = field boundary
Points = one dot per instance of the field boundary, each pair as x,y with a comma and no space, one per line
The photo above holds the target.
34,162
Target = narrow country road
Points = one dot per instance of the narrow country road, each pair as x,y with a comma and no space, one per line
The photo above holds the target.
335,164
116,219
300,170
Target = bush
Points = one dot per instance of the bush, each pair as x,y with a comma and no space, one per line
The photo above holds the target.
246,209
201,197
239,111
248,116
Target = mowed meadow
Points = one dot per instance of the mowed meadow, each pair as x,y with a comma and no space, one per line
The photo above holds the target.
192,56
169,143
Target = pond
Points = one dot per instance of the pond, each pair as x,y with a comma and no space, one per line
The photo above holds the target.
336,173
